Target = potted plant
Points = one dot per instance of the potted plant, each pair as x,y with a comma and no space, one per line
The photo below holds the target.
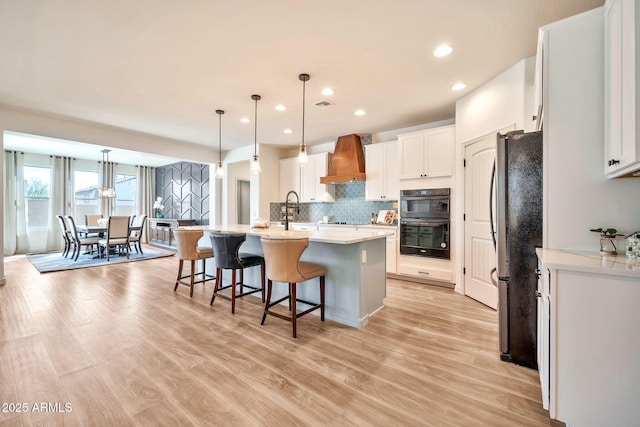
607,237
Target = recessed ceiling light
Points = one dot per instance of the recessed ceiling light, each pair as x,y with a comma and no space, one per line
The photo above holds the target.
327,91
280,107
359,113
245,120
458,86
288,131
442,50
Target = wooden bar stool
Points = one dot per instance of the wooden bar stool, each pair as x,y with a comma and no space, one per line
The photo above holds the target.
226,246
282,257
189,250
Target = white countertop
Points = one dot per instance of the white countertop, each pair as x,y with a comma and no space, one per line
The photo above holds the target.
589,262
339,237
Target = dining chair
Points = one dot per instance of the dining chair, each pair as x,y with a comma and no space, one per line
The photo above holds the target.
118,231
64,232
78,241
92,219
136,235
282,258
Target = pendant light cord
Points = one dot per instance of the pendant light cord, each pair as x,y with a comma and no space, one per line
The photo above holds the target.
220,113
304,84
255,128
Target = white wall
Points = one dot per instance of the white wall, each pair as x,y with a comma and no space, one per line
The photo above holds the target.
235,172
265,187
502,101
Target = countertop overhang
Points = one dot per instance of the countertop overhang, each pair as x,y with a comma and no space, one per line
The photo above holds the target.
590,262
339,237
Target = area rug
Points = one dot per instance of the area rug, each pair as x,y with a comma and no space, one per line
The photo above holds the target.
54,261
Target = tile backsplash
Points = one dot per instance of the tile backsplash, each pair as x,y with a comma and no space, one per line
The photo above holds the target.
350,206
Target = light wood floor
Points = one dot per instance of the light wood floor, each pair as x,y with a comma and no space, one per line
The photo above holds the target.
123,349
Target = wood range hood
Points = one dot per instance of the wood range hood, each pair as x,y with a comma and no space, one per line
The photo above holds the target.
347,162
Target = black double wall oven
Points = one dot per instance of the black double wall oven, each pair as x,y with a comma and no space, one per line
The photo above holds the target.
424,222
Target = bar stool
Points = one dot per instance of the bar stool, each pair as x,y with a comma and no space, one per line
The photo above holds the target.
226,246
282,257
189,250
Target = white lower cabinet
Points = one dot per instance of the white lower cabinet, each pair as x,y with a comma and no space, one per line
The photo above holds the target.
542,296
303,226
591,361
337,227
426,268
392,244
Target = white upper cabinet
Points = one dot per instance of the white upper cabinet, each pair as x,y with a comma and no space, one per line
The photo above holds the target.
427,154
289,177
622,142
381,162
311,189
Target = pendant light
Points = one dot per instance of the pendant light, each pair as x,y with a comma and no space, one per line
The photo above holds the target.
219,168
255,162
302,154
106,192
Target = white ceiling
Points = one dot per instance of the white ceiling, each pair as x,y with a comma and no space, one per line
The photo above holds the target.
163,67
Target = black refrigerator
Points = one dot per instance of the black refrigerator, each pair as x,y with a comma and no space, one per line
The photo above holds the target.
518,178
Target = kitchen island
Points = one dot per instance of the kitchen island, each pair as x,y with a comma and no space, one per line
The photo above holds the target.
355,263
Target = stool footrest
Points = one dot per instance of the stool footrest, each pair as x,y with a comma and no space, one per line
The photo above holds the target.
210,278
253,291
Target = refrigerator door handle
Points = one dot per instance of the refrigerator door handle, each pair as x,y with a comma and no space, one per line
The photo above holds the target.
493,230
501,206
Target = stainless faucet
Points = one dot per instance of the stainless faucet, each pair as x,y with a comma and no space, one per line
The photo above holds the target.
286,208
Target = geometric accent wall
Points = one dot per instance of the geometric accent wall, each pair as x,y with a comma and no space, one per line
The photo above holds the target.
184,188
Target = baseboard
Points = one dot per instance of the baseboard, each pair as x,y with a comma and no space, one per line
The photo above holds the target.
419,280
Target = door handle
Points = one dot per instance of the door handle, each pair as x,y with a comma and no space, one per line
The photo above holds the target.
495,282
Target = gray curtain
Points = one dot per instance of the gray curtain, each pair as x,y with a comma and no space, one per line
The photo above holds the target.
62,198
146,194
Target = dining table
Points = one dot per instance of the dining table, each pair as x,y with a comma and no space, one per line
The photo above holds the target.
100,231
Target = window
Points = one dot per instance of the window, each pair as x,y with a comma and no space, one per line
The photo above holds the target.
86,194
37,191
126,189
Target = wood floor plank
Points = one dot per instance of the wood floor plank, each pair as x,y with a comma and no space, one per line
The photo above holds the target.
38,383
163,413
133,388
93,402
14,421
8,391
125,349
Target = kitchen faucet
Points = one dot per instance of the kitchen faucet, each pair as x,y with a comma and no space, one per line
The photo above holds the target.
286,208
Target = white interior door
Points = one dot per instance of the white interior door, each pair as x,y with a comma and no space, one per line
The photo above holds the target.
479,256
